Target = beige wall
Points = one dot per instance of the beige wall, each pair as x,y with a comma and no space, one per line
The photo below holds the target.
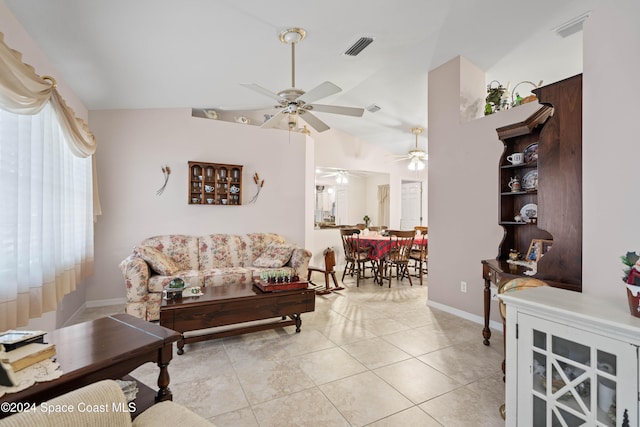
611,144
463,185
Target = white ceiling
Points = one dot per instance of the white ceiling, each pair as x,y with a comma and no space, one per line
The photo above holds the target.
195,53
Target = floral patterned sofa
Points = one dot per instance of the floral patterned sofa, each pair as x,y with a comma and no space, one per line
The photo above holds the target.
210,260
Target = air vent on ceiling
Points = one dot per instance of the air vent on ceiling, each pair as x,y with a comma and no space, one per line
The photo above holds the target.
373,108
572,26
359,46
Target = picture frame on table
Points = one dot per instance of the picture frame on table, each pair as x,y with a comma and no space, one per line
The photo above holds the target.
538,248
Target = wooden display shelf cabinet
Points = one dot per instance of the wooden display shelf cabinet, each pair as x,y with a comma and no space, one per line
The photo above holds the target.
215,184
556,128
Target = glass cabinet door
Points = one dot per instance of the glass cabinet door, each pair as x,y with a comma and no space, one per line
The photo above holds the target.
574,377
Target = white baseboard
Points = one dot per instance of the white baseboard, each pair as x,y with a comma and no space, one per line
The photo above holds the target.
465,315
105,302
71,318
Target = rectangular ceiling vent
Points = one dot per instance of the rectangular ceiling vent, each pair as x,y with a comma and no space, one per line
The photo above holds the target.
572,26
359,46
373,108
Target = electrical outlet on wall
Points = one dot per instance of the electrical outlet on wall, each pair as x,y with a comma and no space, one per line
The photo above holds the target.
463,286
494,293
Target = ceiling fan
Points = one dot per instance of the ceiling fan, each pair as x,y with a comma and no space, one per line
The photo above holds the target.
417,157
340,176
292,103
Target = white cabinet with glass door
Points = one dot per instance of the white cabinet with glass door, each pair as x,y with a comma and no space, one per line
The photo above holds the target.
572,360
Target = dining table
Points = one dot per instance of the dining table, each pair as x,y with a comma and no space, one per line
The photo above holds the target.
380,246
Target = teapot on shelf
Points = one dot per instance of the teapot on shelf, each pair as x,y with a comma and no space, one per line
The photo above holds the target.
514,184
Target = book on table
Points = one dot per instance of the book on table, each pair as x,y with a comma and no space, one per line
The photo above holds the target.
21,358
25,356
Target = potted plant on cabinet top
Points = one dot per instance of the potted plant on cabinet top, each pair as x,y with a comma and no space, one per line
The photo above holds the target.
631,278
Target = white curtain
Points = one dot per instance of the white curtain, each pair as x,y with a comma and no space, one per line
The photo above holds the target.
46,230
46,194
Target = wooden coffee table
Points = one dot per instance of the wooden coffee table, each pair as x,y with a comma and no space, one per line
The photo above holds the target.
106,348
234,304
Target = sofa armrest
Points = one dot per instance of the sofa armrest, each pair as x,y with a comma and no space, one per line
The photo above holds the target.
136,275
299,261
168,413
77,404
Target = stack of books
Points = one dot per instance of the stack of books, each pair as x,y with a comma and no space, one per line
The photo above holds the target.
19,350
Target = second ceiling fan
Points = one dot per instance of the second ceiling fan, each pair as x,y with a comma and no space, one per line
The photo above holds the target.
292,103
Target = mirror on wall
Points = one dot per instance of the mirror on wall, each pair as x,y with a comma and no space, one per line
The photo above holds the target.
344,197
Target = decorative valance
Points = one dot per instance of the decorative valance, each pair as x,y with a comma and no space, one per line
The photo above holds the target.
22,91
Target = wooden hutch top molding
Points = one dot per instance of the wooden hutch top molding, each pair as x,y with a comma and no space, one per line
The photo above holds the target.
527,126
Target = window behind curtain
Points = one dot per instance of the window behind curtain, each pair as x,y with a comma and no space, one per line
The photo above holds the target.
46,217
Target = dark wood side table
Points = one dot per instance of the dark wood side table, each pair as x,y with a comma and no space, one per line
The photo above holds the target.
106,348
494,271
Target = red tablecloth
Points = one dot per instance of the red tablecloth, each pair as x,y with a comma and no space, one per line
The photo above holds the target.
380,245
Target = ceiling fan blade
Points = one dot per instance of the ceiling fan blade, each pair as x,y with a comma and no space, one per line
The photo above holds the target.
314,122
273,121
239,108
335,109
263,91
321,91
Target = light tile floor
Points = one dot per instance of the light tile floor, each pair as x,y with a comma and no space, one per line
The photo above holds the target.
368,356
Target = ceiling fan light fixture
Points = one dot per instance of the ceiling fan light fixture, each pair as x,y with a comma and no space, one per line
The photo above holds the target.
417,156
416,164
292,35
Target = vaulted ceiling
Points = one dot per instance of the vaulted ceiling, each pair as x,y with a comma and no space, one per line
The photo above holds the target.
130,54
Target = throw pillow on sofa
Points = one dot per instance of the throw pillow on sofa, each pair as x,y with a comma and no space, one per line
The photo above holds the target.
275,255
159,262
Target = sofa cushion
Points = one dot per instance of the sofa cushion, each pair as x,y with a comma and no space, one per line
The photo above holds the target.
253,244
226,276
182,249
220,251
159,262
158,282
274,256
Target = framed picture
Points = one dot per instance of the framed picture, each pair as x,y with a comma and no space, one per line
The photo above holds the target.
538,248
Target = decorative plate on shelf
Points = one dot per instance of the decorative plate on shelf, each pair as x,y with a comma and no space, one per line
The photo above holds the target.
529,211
531,153
530,180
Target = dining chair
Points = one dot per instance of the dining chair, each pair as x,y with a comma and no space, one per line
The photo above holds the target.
422,228
420,255
356,255
400,243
